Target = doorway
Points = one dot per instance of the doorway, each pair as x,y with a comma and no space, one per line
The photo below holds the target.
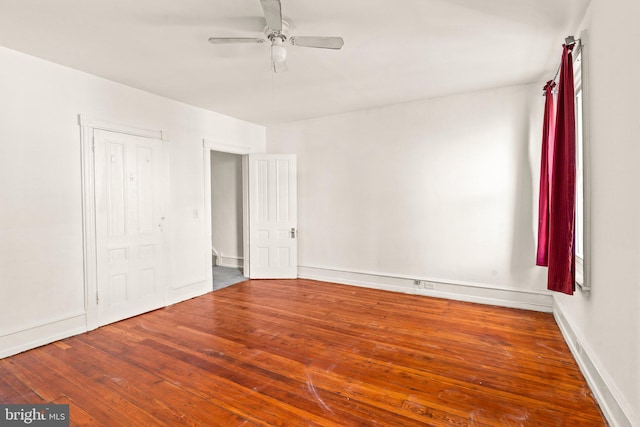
269,213
227,240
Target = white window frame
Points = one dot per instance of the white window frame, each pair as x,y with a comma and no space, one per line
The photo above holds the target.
581,196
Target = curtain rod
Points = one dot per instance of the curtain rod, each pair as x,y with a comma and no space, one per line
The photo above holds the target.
569,40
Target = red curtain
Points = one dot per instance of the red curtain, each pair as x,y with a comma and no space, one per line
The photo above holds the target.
548,131
561,157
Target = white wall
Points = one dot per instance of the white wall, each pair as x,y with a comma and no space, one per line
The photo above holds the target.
440,190
226,208
606,322
41,258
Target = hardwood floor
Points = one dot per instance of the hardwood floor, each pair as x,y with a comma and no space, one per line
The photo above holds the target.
302,352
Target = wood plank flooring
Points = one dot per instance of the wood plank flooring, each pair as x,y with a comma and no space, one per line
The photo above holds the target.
302,352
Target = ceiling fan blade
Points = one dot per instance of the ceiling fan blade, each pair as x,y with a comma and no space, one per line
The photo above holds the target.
319,42
234,40
273,14
279,67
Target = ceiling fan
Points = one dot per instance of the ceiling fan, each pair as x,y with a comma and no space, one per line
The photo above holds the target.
277,33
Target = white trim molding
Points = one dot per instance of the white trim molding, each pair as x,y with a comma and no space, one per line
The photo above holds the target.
92,122
614,407
85,120
229,261
14,342
455,290
225,147
209,145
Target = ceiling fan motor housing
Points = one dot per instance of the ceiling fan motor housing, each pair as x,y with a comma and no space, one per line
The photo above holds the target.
282,34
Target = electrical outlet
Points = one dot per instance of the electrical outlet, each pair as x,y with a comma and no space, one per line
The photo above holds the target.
423,284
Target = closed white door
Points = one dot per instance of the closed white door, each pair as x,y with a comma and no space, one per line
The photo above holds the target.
273,216
130,201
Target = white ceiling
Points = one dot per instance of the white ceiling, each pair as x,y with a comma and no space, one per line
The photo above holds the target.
395,51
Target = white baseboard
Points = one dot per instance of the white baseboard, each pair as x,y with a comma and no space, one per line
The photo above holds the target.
614,407
49,331
230,261
470,292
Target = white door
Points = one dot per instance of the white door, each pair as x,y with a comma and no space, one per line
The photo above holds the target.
273,216
130,201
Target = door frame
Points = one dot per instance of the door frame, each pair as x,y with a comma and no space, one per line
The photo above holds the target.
87,126
209,145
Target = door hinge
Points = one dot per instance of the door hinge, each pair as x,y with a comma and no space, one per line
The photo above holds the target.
97,299
93,144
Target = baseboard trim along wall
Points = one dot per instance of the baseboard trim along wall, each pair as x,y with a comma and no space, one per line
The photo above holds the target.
470,292
47,331
230,261
615,409
15,342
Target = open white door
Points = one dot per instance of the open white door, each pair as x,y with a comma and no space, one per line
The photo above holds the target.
130,203
273,216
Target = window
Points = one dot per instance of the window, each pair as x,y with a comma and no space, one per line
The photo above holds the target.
580,193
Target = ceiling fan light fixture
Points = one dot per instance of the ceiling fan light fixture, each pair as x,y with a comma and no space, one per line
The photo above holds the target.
278,52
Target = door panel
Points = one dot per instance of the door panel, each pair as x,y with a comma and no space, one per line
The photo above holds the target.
273,218
129,225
